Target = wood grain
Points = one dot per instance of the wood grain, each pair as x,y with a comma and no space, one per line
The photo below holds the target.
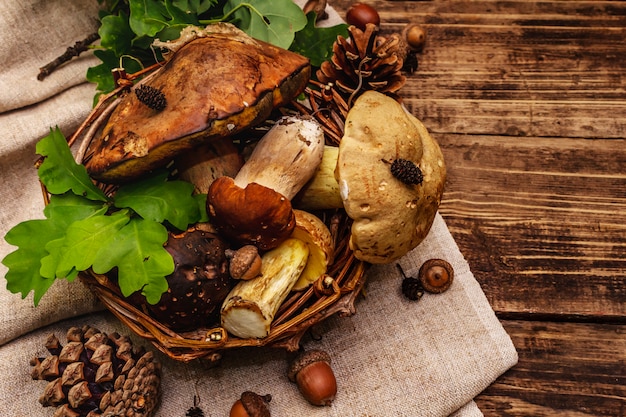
528,102
564,369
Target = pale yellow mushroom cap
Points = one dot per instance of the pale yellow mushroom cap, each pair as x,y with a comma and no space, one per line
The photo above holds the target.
390,217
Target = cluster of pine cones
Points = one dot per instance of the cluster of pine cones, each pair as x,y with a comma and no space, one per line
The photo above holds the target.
95,374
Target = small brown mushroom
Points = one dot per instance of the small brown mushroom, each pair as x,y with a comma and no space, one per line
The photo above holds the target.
199,283
312,373
436,275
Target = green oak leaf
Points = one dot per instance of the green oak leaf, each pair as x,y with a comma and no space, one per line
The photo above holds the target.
142,261
60,173
67,208
159,200
316,43
116,34
195,6
31,237
274,21
82,241
201,200
24,263
147,17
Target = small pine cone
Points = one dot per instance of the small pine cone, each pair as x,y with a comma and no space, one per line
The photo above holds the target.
365,61
412,288
406,171
151,97
95,374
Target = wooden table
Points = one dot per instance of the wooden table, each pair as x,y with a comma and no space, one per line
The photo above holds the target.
528,102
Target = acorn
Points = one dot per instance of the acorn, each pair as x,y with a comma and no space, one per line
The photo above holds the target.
251,404
415,36
360,14
436,275
312,373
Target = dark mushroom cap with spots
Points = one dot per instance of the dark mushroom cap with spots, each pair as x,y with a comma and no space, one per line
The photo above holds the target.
199,283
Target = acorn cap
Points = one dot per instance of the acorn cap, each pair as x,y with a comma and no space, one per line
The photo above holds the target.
255,404
436,275
304,359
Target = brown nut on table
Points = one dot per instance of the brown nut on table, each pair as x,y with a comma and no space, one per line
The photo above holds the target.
415,36
312,373
436,275
251,404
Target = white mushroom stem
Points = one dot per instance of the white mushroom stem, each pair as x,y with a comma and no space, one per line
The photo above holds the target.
286,157
249,309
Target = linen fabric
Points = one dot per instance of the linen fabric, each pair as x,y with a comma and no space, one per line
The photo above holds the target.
394,357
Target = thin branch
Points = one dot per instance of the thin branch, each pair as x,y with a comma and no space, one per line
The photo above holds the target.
71,52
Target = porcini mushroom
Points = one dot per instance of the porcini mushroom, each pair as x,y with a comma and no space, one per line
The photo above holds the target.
254,207
199,283
217,84
391,213
249,308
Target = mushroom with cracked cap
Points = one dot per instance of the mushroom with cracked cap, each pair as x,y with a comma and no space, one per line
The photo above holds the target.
391,213
218,82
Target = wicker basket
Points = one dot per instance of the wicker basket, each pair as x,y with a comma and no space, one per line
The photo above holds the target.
333,293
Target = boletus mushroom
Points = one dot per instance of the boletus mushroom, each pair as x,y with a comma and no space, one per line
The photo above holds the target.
390,175
254,208
218,83
249,308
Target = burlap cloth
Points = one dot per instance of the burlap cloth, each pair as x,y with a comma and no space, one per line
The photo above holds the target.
393,358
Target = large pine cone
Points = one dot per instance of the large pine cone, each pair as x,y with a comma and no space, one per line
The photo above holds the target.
365,61
98,375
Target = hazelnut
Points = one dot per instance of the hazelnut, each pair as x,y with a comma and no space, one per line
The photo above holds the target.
360,14
312,373
415,36
245,262
251,404
436,275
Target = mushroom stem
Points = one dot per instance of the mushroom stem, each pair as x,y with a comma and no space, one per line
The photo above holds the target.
201,166
249,309
286,157
322,191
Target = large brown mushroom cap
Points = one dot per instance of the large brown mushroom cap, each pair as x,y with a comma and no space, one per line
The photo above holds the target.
390,216
255,215
214,86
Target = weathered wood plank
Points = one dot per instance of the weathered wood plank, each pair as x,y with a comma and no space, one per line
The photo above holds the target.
517,68
564,369
542,222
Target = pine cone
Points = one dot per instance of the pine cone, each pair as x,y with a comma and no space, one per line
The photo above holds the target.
365,61
97,375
